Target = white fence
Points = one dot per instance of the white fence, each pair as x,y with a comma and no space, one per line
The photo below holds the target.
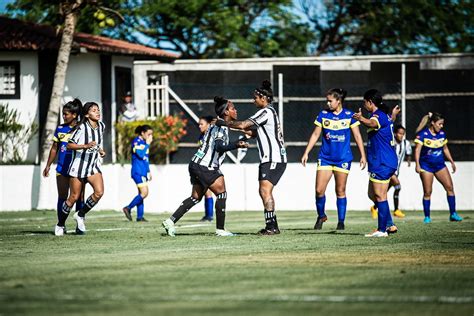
20,188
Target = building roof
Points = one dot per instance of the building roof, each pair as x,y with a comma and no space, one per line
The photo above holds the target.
20,35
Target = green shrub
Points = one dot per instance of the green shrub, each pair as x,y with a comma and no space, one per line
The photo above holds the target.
167,131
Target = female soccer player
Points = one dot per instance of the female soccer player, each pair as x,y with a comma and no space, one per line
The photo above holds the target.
381,157
86,144
204,122
140,170
204,169
271,149
335,156
431,148
71,112
402,148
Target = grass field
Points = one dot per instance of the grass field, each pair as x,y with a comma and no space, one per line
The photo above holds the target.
129,268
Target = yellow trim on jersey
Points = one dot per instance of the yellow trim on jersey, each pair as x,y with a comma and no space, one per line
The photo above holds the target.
138,147
143,184
434,143
357,123
340,170
55,139
336,125
418,141
378,124
317,123
379,181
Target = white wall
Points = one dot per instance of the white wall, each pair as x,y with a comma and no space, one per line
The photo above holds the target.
171,185
27,105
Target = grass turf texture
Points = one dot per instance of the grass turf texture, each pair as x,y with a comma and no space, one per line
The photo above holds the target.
125,268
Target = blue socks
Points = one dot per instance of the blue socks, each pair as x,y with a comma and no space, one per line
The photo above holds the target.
384,215
320,203
140,210
426,206
209,206
452,204
136,200
341,209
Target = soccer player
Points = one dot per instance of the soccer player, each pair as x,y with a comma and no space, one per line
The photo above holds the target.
402,148
140,170
71,113
204,169
335,156
86,144
381,157
430,151
271,149
204,122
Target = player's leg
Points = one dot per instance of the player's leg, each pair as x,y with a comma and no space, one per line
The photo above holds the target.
445,179
208,207
379,190
75,188
142,186
427,182
266,194
62,183
80,202
341,182
395,183
371,195
143,192
218,188
322,179
97,183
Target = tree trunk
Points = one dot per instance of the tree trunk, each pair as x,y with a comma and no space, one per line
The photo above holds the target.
70,11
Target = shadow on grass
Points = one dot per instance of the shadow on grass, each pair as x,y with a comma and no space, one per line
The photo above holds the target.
37,232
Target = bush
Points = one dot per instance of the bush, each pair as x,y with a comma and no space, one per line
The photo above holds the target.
167,131
14,137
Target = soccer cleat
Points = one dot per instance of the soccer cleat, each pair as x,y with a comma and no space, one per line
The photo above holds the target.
377,234
81,227
126,211
206,219
392,229
143,219
398,213
59,230
223,233
168,225
319,222
267,231
340,226
373,212
427,220
455,217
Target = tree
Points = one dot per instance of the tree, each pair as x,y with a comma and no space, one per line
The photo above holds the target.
390,27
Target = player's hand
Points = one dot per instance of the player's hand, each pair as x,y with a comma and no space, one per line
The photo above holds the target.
242,144
46,171
358,115
396,110
453,166
304,159
90,145
363,163
149,176
102,153
220,122
418,169
149,139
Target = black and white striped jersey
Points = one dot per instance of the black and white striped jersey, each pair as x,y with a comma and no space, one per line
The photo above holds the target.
86,162
207,154
270,141
401,149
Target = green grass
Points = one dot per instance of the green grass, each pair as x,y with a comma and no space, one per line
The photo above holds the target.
125,268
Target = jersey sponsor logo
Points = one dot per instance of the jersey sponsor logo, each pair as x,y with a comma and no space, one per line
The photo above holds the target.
264,175
335,138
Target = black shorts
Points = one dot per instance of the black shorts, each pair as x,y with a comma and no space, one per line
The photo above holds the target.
202,175
271,171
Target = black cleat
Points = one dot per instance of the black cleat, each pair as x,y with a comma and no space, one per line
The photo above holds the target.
79,232
392,229
319,222
126,211
143,219
269,231
340,226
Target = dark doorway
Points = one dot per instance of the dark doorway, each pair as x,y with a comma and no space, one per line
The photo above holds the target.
123,84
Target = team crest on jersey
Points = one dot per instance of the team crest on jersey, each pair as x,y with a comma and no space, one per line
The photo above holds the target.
345,165
326,123
428,142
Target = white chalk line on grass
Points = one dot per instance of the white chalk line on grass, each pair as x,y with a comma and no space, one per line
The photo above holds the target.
20,219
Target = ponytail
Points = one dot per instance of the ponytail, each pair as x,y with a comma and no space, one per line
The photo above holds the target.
75,107
428,118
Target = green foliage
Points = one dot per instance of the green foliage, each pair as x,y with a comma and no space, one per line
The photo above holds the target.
167,131
14,137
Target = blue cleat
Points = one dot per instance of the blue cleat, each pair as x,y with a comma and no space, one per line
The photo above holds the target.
455,217
427,220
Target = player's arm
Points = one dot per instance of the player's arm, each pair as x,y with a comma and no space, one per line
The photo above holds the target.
370,123
140,149
395,111
448,156
240,125
52,155
311,142
74,146
408,152
360,145
221,148
417,156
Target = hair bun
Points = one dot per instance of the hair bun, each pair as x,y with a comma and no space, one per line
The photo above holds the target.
266,84
219,100
343,93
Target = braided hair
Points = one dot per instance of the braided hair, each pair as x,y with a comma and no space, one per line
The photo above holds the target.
265,91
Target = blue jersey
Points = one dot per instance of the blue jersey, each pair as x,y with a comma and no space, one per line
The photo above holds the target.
61,137
432,150
336,135
380,145
140,160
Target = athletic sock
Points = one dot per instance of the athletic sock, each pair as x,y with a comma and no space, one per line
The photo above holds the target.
79,205
395,196
220,209
140,210
452,204
59,208
320,204
270,219
426,207
183,208
341,208
384,214
209,206
90,203
63,214
136,200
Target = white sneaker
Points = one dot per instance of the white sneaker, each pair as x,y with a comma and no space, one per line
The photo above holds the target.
168,225
81,227
223,233
59,230
377,234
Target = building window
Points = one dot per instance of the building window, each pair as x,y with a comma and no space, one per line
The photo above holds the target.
9,79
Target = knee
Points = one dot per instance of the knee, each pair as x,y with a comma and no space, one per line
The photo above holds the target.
340,192
427,194
320,192
98,194
264,193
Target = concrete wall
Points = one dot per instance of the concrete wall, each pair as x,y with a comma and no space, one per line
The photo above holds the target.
170,186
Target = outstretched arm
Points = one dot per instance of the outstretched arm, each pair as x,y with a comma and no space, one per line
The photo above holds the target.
367,122
240,125
220,147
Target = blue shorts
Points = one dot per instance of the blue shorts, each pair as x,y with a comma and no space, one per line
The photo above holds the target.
431,167
324,164
140,180
382,174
